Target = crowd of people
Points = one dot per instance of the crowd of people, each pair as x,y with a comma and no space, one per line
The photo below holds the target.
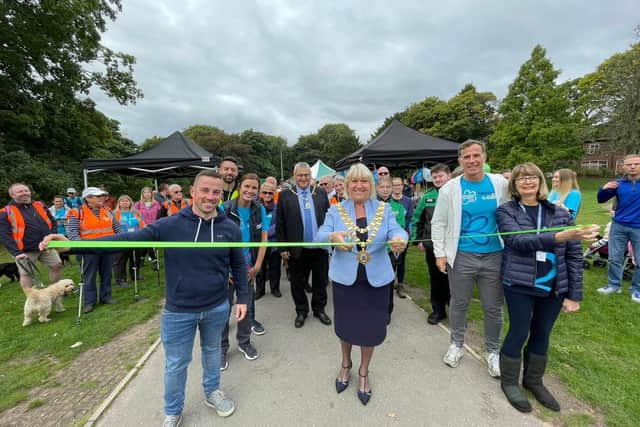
368,217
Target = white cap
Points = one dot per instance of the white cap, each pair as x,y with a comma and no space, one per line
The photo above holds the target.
71,190
92,191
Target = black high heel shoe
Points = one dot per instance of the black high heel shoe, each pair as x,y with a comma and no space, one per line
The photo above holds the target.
363,395
342,385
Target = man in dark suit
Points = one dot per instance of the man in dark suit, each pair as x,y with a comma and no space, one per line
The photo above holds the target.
300,212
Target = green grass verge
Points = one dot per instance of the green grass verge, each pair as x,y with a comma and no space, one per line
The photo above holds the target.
30,356
594,352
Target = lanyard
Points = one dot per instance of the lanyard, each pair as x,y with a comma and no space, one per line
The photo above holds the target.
539,222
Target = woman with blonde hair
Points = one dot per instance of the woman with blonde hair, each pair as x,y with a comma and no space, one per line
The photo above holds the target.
149,209
361,271
130,220
566,192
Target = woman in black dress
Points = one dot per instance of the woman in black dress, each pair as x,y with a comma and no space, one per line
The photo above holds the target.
361,227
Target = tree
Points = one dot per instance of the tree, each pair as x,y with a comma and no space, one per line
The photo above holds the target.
467,115
471,115
536,120
307,149
50,55
150,142
337,141
607,100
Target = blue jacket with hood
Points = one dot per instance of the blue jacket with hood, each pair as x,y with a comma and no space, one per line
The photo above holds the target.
196,279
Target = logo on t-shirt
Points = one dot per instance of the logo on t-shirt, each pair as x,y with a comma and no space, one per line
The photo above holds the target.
468,196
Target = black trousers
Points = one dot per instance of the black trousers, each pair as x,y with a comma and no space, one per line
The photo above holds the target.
316,261
531,319
270,270
120,261
440,294
94,265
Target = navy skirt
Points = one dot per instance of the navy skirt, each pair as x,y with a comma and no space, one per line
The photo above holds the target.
360,311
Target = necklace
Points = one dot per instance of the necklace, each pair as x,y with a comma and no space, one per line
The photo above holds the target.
370,229
311,192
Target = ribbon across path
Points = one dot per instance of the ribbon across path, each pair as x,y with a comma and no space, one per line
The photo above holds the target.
78,244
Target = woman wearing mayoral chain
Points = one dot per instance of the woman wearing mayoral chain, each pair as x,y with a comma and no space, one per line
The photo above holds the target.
360,269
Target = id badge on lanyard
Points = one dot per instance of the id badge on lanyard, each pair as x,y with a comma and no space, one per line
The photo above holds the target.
541,256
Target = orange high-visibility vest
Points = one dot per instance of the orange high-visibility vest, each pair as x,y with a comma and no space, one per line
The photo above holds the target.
172,209
17,221
92,227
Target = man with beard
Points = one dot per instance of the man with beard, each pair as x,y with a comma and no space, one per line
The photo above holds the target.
229,172
301,210
23,223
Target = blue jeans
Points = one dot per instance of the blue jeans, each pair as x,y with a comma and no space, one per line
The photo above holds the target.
619,235
178,331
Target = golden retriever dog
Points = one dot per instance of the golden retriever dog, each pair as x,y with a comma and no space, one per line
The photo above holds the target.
40,301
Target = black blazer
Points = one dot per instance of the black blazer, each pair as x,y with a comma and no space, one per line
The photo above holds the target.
289,223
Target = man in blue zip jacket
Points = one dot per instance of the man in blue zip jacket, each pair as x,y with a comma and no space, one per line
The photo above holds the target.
196,291
625,226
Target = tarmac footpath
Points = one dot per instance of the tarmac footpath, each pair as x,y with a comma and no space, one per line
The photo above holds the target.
292,382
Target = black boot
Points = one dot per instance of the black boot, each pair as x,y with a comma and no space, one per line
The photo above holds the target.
509,377
534,367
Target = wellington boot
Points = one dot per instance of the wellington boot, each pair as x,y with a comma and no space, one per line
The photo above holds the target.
509,377
534,367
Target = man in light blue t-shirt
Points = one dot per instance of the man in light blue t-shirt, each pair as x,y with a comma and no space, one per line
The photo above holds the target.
467,248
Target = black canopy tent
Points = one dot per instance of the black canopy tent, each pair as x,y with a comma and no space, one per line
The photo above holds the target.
401,146
175,156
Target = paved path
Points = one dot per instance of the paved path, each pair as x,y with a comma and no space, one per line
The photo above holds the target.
292,383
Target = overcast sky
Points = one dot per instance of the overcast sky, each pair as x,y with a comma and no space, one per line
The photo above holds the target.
289,67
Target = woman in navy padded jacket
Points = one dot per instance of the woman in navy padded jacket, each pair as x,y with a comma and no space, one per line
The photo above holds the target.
541,274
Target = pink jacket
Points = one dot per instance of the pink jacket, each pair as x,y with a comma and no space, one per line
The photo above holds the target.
148,214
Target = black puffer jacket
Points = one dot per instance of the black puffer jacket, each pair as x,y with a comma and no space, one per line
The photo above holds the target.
519,257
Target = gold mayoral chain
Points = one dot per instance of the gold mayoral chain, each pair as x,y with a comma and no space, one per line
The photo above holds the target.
371,229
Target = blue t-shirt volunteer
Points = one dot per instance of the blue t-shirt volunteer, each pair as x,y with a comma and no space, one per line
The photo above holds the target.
128,222
245,228
479,204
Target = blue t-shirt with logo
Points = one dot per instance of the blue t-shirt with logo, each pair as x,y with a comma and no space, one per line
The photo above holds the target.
478,217
245,228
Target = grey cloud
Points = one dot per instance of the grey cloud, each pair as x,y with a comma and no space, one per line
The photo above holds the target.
287,67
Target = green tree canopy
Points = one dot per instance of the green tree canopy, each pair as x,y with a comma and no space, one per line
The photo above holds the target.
329,144
468,114
536,123
51,54
608,102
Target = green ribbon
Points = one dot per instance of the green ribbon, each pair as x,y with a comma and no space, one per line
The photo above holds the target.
78,244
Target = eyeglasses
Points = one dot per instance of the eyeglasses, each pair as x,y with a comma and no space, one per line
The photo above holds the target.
324,183
177,192
267,193
522,179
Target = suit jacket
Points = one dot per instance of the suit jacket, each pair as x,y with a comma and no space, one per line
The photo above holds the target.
343,267
289,222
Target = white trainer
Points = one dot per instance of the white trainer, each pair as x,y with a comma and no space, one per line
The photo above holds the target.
453,356
493,362
608,290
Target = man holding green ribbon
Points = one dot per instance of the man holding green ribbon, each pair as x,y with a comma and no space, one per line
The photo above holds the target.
196,291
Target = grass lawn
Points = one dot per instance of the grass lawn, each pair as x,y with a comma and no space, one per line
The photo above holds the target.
30,355
595,351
